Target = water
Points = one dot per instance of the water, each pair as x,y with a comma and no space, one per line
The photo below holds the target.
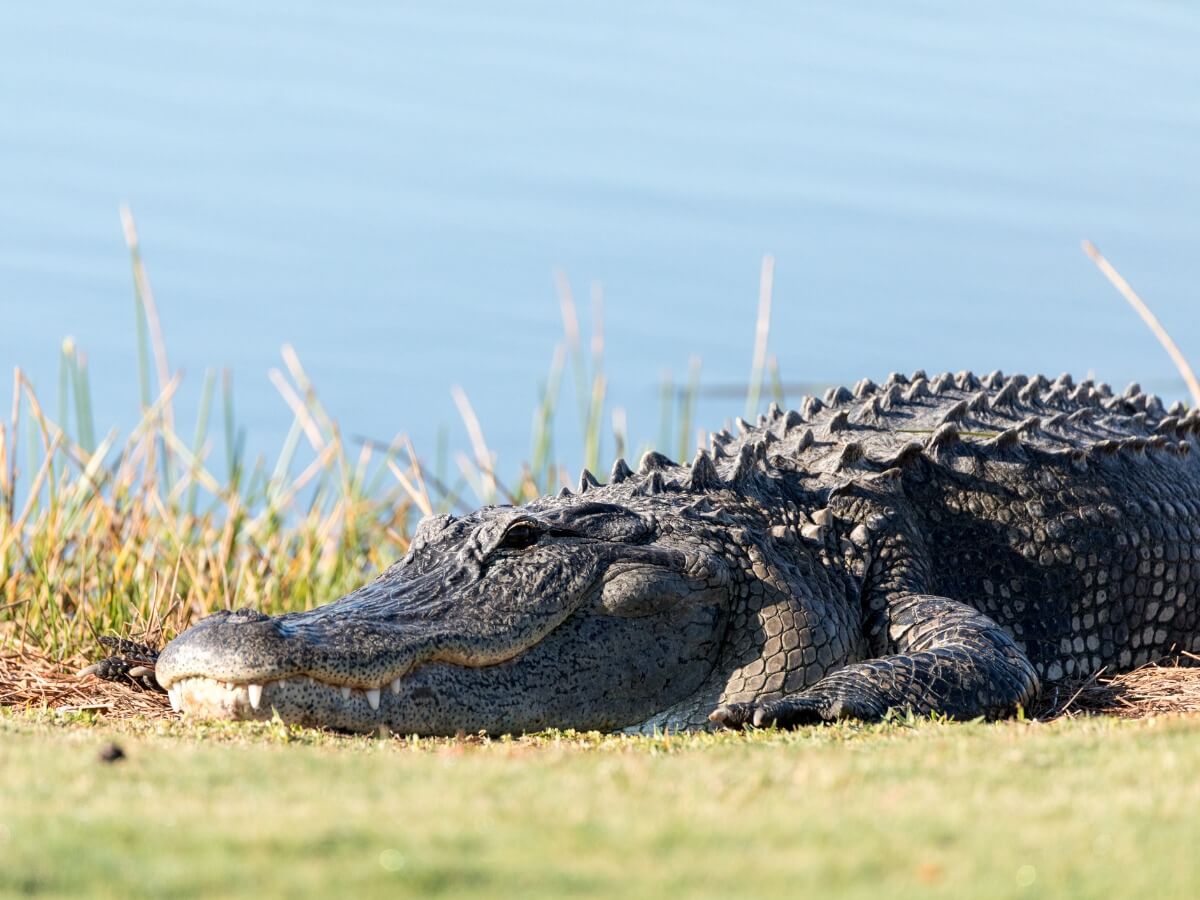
389,189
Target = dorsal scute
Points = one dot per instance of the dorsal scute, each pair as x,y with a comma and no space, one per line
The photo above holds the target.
838,396
1016,419
703,475
654,461
620,471
865,388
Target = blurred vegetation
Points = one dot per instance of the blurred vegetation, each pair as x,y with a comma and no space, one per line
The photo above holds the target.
143,533
1095,807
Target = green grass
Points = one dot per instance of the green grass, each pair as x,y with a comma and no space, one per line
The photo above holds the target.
1083,808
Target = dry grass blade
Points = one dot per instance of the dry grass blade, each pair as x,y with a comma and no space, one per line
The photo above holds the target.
15,430
423,503
566,304
146,295
299,410
17,528
483,456
415,493
762,332
1131,297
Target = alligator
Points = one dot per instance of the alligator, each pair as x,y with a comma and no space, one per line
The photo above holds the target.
946,545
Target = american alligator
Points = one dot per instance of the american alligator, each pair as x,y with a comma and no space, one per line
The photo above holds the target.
945,545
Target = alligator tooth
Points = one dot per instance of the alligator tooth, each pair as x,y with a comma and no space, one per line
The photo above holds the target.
373,698
345,692
395,685
255,692
229,686
174,693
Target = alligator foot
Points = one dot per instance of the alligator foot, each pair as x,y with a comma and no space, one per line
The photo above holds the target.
786,712
953,661
131,663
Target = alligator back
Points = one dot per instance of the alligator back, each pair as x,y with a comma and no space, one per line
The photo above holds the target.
1068,515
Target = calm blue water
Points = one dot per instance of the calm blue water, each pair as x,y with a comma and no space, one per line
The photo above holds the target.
389,189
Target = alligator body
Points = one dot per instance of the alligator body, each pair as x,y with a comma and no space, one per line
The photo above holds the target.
945,545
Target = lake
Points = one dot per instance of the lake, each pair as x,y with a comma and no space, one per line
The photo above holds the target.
390,188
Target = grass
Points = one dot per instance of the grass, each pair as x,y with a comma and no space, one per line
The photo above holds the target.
1082,808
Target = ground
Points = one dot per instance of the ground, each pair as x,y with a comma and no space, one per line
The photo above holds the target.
1083,807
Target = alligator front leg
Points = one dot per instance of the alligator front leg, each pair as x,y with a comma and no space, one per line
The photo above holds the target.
130,662
950,659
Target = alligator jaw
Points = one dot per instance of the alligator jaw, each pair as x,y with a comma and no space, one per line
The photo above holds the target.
209,698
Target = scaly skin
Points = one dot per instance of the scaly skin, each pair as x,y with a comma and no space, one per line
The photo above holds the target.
944,545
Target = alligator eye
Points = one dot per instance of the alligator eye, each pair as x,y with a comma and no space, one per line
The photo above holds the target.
520,535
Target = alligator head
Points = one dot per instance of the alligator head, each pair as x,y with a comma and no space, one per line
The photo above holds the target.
598,610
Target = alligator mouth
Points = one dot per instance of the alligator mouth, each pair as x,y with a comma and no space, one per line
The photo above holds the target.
246,665
416,693
210,698
310,699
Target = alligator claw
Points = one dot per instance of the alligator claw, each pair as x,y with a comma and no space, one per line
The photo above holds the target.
786,712
131,662
732,715
796,711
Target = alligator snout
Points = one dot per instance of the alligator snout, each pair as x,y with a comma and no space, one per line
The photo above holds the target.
230,646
